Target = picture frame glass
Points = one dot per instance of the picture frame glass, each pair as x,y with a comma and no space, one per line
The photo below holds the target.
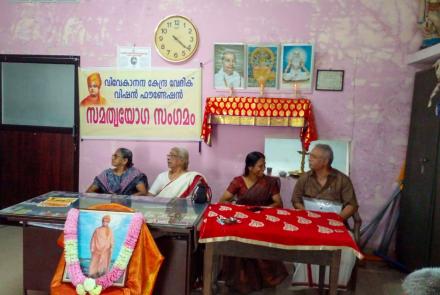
101,235
262,65
229,66
329,80
297,65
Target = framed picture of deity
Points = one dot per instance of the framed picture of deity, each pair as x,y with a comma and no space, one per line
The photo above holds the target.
229,66
297,61
100,238
262,69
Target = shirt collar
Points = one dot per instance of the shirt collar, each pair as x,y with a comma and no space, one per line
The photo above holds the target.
332,173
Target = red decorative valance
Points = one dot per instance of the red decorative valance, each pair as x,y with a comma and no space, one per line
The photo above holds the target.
260,112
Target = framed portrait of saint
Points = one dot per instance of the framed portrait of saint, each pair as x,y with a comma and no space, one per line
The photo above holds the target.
262,69
101,235
229,66
297,66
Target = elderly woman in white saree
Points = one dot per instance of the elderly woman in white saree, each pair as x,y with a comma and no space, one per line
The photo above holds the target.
177,181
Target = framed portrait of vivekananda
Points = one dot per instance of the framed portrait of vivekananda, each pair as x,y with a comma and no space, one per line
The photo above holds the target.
101,235
229,66
262,69
297,66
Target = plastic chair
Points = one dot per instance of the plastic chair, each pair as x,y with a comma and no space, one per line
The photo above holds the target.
354,225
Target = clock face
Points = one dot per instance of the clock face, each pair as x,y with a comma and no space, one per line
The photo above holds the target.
176,38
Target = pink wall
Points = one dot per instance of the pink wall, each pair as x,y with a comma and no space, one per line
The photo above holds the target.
369,39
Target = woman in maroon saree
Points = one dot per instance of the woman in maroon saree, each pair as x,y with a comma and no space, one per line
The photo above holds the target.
253,188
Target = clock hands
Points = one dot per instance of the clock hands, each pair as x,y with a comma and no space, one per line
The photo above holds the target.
180,42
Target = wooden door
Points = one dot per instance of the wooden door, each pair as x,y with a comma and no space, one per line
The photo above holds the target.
35,162
435,239
38,126
418,198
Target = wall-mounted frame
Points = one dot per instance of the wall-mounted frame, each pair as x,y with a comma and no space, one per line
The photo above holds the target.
297,66
329,80
229,66
262,65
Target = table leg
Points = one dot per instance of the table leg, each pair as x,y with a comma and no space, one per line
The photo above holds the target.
321,278
207,269
334,272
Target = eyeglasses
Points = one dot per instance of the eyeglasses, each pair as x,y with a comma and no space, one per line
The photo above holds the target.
172,156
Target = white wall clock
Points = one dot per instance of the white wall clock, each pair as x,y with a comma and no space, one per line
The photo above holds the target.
176,38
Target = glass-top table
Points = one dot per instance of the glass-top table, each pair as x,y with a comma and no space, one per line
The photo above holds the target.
52,207
172,222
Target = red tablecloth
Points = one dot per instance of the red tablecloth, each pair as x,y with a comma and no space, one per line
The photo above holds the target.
278,228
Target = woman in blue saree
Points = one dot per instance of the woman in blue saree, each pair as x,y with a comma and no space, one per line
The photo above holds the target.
123,179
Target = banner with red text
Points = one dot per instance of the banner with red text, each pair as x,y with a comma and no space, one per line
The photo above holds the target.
157,104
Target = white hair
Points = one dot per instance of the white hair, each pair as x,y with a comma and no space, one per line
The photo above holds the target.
182,153
327,151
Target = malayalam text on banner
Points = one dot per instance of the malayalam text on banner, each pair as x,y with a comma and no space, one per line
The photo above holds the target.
158,104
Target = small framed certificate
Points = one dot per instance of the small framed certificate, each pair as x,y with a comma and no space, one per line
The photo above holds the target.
330,80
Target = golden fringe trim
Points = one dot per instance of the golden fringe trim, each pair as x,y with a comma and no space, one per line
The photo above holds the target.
258,121
279,246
